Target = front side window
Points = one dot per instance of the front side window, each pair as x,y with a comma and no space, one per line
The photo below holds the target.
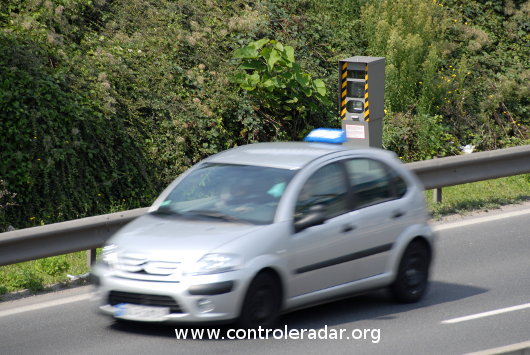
229,192
326,188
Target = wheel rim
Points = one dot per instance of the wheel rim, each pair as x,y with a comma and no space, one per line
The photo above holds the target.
262,305
414,273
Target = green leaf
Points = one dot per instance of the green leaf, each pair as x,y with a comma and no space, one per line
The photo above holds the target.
303,79
307,91
248,52
271,83
253,79
253,64
325,100
250,81
272,56
247,87
238,78
287,76
320,87
278,46
289,55
260,43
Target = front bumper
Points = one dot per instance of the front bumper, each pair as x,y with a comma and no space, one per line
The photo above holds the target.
195,299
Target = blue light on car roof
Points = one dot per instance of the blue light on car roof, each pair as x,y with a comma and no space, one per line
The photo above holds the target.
326,135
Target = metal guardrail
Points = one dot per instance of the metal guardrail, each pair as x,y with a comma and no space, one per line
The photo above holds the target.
473,167
91,232
62,238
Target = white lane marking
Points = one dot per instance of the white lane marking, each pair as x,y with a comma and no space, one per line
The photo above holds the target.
478,220
37,306
517,348
486,314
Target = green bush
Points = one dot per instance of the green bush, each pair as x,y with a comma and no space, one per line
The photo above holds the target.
488,61
23,278
55,150
286,96
409,33
53,266
418,137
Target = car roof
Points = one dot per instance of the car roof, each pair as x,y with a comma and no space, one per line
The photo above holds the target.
286,155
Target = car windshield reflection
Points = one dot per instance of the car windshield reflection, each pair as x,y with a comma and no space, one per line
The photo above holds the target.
228,192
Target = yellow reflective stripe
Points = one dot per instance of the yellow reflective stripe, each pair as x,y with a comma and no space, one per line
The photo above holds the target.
343,103
344,66
344,83
366,105
343,112
344,75
344,93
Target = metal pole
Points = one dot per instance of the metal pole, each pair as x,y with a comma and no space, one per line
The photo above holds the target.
437,192
91,257
437,195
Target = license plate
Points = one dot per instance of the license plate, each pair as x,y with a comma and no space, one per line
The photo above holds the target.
140,312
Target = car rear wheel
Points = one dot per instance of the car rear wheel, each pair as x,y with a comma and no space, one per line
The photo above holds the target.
262,303
413,273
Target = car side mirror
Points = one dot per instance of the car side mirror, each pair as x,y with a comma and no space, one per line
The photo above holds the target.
314,217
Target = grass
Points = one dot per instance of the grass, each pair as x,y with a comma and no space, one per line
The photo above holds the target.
479,196
36,275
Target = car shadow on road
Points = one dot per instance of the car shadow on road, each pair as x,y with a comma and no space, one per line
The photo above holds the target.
377,305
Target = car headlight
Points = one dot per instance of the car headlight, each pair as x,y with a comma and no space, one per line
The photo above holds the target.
109,255
215,264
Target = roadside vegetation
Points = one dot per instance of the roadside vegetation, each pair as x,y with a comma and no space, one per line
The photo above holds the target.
480,196
103,103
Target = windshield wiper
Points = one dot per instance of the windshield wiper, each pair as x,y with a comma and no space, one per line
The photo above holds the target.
216,215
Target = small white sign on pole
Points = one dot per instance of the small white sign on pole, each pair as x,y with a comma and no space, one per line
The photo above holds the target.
355,131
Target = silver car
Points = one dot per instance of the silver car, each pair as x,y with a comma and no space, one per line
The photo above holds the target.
266,228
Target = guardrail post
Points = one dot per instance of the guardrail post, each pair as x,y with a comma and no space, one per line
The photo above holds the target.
437,192
91,257
437,195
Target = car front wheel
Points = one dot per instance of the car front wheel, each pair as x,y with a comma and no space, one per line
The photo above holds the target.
262,303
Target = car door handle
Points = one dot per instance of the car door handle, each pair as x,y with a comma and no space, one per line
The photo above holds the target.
347,228
397,214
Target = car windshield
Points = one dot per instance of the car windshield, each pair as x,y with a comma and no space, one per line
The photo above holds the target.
228,192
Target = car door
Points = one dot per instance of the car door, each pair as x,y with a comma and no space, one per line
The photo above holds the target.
381,214
316,251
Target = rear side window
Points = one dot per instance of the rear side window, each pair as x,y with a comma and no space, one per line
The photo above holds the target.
401,186
373,182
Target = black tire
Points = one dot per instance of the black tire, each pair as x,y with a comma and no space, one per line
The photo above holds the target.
413,274
262,303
